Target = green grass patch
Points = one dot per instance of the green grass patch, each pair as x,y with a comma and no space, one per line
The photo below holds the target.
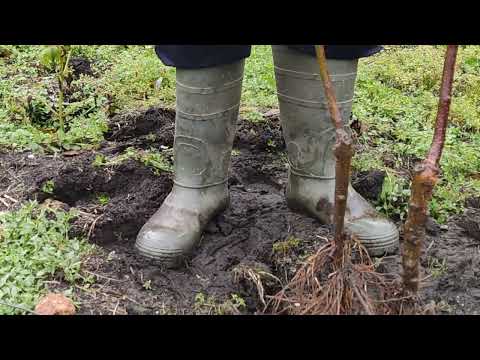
35,247
152,158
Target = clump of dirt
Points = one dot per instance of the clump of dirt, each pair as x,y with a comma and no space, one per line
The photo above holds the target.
257,231
369,184
80,66
473,202
153,127
265,135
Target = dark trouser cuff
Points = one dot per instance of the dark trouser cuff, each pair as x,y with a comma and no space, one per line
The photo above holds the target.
203,56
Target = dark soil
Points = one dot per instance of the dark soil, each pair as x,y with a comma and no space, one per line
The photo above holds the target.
80,66
241,237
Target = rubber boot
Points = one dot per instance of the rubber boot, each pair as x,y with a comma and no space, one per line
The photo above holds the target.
207,111
310,135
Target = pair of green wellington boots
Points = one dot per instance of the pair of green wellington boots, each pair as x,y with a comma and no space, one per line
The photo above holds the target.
207,110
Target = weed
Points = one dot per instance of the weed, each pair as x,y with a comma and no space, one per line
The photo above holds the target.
393,200
103,199
284,247
155,160
208,305
48,187
437,267
56,59
151,158
147,285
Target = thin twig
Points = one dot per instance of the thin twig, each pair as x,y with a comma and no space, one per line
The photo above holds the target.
7,205
10,198
116,307
93,226
102,276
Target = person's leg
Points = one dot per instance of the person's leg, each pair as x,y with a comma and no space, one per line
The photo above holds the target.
310,135
207,106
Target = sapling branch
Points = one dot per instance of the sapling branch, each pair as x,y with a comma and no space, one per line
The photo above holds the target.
343,151
425,177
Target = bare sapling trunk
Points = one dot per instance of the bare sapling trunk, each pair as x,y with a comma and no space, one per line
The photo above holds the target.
425,177
343,150
62,72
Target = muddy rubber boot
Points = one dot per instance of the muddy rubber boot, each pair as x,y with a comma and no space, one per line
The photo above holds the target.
207,110
310,135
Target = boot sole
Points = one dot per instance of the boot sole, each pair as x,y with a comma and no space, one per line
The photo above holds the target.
168,258
385,245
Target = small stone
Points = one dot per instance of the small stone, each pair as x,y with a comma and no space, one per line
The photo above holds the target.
158,84
55,304
444,227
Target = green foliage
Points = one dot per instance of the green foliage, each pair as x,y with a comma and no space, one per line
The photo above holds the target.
103,199
48,187
31,103
259,92
437,267
155,160
56,59
208,305
34,247
51,57
152,158
284,247
393,200
137,79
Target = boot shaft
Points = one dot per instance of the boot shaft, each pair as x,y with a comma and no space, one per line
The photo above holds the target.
307,126
208,101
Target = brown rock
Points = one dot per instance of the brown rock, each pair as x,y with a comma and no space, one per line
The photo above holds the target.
55,205
55,304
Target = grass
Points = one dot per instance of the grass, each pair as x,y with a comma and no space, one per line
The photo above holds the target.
284,247
208,305
35,247
152,158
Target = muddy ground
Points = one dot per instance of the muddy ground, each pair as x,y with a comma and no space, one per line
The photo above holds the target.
241,237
